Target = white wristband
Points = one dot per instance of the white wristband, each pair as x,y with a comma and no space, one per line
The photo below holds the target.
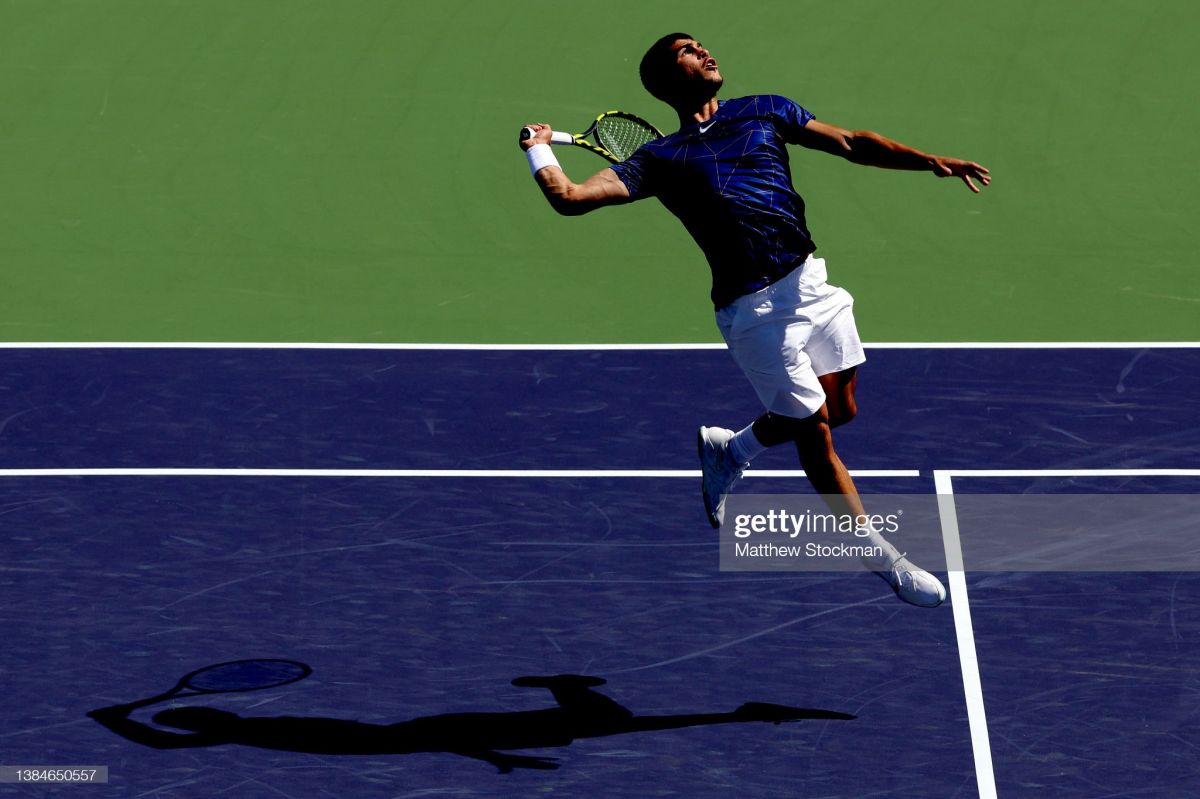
540,156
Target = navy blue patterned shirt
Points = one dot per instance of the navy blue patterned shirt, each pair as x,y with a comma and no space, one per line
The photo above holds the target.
729,182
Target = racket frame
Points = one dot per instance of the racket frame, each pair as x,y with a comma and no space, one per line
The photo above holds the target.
580,139
184,687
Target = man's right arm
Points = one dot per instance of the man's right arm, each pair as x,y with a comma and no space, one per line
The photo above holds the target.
566,196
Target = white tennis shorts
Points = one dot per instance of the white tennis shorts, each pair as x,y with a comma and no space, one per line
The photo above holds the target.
788,333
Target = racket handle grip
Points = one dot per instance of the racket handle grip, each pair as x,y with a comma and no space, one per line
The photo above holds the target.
556,137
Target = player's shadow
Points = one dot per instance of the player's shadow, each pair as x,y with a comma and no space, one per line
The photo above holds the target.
581,713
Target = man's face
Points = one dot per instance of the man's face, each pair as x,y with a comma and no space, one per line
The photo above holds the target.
696,66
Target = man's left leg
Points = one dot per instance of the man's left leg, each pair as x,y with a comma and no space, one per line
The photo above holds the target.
839,395
813,437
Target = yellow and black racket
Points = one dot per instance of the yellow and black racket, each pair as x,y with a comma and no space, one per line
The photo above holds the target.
617,134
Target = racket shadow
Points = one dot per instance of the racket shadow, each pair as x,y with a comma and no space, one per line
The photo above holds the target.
580,712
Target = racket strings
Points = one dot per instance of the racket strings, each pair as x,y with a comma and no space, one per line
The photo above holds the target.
247,675
622,136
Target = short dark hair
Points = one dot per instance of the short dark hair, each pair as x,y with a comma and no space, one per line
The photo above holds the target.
656,64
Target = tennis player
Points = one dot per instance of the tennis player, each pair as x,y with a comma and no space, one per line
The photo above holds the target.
725,175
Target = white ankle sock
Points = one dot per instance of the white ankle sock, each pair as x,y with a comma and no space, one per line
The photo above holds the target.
745,446
890,553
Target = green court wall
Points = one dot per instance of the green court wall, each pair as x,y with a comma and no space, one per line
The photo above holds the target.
290,171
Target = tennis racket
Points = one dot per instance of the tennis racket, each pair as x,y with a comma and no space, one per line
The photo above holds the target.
235,676
617,135
232,676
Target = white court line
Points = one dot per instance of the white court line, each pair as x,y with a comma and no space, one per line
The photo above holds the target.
981,746
323,345
956,572
1033,345
882,345
1068,472
513,473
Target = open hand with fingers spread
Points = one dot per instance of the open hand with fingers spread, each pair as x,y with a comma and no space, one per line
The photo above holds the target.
956,167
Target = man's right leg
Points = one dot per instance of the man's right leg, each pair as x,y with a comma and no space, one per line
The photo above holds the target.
813,437
722,459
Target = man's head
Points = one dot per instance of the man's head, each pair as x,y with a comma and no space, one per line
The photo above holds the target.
678,70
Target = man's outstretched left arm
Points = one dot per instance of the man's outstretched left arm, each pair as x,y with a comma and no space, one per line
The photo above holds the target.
872,149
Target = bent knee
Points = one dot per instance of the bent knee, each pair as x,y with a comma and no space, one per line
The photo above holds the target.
813,433
843,414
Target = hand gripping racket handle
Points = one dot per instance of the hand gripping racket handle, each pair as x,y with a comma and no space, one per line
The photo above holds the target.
556,137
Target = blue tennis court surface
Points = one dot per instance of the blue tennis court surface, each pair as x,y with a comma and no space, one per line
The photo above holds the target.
422,527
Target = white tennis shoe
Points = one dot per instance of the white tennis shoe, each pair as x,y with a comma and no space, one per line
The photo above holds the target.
914,585
718,471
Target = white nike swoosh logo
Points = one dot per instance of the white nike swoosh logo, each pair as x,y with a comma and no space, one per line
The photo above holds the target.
704,128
